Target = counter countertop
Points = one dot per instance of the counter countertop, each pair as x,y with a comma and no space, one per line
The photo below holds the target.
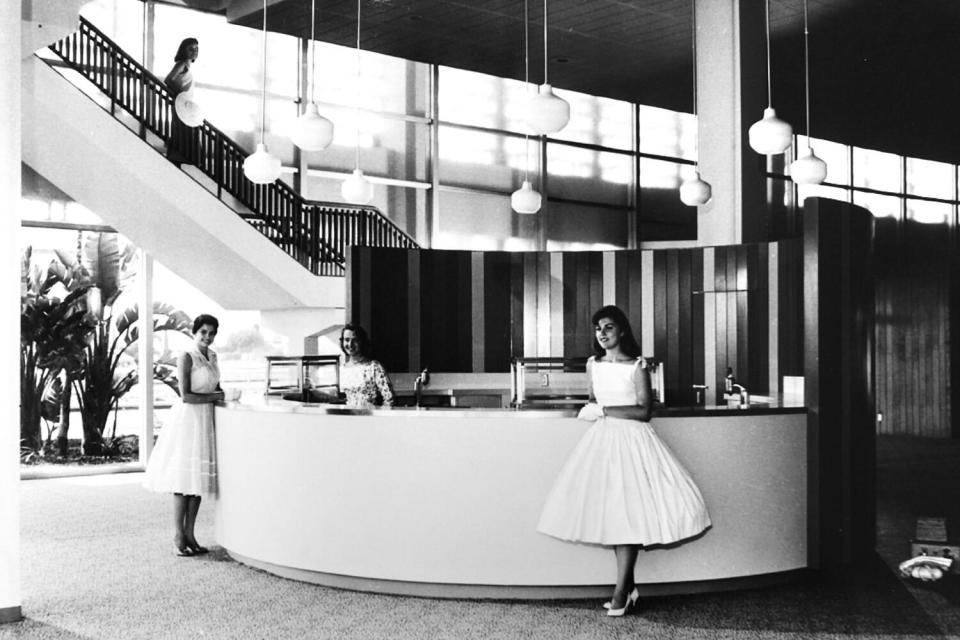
277,405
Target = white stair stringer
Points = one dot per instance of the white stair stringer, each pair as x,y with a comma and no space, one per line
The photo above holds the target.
103,165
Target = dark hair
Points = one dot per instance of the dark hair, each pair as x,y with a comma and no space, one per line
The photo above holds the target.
628,344
182,49
205,318
363,340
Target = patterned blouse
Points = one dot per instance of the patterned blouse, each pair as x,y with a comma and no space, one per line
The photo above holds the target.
365,384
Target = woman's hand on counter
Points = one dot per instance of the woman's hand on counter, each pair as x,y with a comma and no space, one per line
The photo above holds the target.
590,412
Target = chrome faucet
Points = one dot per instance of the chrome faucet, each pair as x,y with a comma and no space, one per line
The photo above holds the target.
744,395
418,384
698,388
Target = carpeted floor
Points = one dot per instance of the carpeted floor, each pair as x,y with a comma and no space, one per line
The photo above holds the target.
98,562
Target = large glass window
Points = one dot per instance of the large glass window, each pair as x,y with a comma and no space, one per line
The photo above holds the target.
928,212
877,170
931,179
881,206
667,133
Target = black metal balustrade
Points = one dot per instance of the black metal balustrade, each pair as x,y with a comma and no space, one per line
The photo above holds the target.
316,234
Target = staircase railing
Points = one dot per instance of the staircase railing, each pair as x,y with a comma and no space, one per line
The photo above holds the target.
316,234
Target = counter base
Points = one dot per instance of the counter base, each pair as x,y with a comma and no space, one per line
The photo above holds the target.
514,592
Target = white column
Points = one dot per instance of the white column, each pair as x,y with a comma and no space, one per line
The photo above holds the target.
731,95
145,355
10,599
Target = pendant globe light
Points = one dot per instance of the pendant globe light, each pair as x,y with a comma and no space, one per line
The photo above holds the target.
262,167
311,131
546,112
695,191
526,199
771,135
808,168
357,189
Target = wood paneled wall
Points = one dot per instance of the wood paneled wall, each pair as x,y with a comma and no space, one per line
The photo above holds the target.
698,310
913,348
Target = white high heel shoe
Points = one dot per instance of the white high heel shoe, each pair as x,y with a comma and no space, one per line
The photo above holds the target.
631,601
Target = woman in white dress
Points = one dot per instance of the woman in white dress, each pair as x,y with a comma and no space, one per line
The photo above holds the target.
362,379
621,485
184,460
182,147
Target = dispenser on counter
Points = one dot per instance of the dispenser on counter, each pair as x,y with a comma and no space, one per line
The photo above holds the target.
304,378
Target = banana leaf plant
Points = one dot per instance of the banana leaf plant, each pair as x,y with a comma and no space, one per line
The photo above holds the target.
107,268
53,337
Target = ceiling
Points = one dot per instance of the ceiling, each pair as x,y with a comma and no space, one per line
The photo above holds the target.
883,72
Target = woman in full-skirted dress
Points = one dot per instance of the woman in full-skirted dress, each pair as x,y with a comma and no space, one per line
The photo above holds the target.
184,461
621,485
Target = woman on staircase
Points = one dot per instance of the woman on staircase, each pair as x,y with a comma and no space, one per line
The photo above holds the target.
182,146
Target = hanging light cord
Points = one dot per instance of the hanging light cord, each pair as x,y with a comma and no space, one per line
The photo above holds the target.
313,48
356,109
545,42
694,47
526,80
769,91
806,66
263,94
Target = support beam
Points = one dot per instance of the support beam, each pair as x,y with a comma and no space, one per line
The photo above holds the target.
731,73
145,355
10,185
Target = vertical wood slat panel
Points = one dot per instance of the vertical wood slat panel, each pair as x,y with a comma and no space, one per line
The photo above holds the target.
684,330
414,301
477,317
556,327
498,301
658,303
596,285
671,301
531,319
708,373
517,319
572,275
641,290
697,347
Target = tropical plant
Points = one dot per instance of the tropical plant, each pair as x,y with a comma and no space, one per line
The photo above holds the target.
112,370
53,336
110,367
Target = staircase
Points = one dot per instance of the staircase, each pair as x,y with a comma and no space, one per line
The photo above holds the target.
315,234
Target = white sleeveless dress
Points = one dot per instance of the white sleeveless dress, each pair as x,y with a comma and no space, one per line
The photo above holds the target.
184,459
621,484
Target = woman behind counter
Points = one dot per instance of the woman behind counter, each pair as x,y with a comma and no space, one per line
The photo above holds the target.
362,379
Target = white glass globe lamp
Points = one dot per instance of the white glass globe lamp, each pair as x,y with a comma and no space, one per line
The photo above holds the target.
808,168
771,135
261,167
525,199
695,191
357,189
311,131
546,112
188,109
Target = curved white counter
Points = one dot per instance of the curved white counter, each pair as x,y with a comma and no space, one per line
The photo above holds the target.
445,502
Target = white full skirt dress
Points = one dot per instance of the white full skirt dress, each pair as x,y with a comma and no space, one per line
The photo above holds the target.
184,458
621,484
